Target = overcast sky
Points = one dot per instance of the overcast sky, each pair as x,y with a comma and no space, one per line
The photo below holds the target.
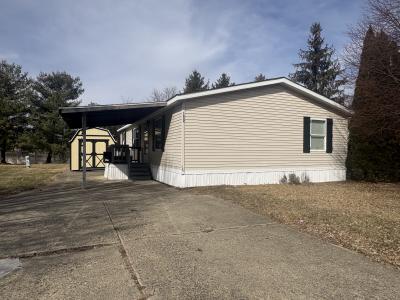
121,50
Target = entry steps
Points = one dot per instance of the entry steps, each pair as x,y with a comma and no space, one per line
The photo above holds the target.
139,171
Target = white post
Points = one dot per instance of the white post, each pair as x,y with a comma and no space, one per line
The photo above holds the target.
84,150
27,162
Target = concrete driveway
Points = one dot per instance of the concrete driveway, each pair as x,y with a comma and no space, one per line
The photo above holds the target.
126,240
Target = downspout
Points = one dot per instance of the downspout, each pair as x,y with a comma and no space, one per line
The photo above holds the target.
183,137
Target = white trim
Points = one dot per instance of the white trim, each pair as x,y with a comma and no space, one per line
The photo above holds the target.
74,109
318,135
175,177
183,138
99,128
170,176
124,127
283,81
256,178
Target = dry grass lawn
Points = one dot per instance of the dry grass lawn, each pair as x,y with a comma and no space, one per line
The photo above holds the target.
364,217
17,178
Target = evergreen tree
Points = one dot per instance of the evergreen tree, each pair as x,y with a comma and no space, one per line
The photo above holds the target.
15,91
319,71
260,77
363,78
53,91
223,81
374,144
195,83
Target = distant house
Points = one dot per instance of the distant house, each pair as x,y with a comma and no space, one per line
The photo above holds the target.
254,133
97,140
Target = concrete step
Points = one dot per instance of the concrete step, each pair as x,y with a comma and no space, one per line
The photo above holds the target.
139,171
143,176
140,177
136,165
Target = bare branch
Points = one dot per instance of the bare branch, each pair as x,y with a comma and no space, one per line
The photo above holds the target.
162,95
381,15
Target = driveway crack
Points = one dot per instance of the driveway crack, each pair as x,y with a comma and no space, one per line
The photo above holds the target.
127,261
58,251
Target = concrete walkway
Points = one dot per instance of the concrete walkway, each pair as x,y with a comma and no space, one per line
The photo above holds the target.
126,240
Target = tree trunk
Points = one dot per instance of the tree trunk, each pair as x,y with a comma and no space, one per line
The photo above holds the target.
3,155
49,156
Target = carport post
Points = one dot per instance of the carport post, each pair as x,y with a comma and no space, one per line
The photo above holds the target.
84,150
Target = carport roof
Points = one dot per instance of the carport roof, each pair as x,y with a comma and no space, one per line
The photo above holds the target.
107,115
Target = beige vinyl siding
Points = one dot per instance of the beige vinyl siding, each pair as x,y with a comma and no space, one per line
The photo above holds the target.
171,157
257,129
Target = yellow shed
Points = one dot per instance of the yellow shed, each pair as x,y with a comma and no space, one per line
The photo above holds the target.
97,140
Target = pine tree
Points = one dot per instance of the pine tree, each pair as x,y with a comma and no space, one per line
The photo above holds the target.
195,83
15,92
223,81
318,70
53,91
374,144
260,77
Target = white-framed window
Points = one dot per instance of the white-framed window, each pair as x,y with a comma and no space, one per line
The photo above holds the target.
318,134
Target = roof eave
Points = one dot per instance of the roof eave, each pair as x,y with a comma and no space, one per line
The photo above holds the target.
269,82
80,109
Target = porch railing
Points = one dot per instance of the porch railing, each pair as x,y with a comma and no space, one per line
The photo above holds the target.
122,154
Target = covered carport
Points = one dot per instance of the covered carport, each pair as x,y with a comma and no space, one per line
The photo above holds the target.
105,115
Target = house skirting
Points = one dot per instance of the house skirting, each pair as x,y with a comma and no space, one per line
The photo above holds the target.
168,175
191,178
116,171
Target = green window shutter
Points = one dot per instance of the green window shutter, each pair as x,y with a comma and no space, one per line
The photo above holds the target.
153,135
306,135
329,135
163,133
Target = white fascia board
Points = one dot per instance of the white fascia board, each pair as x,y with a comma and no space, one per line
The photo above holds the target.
100,128
316,96
124,127
251,85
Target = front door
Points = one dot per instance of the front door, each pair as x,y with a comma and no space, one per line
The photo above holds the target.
146,145
94,153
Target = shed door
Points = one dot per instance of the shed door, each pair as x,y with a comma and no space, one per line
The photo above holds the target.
94,153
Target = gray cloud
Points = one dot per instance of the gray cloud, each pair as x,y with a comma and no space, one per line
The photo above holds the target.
124,49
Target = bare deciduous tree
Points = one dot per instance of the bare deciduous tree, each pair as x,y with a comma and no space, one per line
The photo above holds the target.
162,95
381,15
